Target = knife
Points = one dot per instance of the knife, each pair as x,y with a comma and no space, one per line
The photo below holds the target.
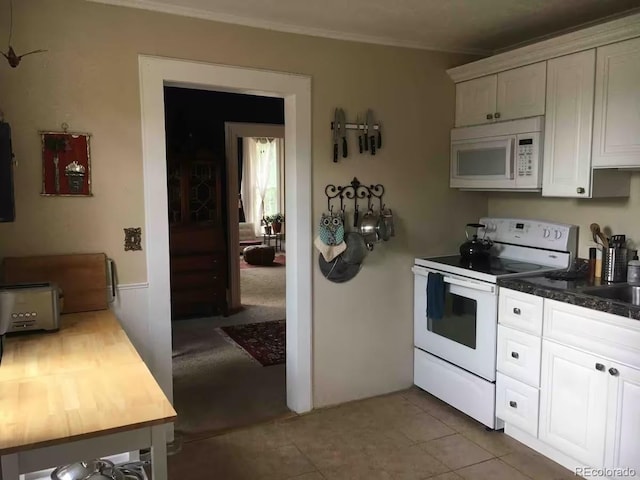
371,132
365,131
343,133
359,136
336,135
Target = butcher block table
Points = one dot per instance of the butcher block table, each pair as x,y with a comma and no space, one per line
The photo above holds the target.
82,392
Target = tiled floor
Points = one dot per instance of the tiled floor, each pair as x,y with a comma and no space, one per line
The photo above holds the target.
408,435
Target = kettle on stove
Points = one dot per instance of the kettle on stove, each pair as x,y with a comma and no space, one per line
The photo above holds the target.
475,249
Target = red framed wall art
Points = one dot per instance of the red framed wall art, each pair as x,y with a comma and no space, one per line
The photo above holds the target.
66,164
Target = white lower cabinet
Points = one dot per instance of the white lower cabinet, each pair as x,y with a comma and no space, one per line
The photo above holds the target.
623,422
586,411
573,403
517,404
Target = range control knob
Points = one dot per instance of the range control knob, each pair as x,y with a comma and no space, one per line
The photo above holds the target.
558,234
546,233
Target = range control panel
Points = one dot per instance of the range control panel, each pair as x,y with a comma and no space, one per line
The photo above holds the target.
531,233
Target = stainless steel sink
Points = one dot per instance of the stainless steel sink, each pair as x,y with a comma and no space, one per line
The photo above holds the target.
623,293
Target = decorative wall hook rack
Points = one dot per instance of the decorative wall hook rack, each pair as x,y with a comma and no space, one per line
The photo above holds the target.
354,191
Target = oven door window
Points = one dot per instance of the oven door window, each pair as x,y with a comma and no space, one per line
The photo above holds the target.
459,321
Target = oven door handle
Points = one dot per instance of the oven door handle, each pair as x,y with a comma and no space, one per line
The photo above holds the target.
475,286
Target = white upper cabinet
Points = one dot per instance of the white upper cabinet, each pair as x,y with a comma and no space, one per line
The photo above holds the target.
516,93
567,139
616,129
476,101
521,92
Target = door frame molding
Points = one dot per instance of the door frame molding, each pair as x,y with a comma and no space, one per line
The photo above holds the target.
157,72
233,131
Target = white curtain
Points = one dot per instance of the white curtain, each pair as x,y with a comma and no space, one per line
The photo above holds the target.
260,163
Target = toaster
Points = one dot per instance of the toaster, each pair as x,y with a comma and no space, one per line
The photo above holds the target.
29,306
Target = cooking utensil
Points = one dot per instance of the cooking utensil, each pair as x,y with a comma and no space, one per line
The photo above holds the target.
475,249
368,229
618,241
371,132
387,218
356,248
359,134
343,132
365,135
336,135
337,270
372,228
597,233
130,474
379,135
82,470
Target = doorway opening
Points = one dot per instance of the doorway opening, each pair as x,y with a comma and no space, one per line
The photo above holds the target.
155,74
228,360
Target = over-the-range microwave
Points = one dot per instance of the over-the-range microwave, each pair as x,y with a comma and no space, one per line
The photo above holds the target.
500,156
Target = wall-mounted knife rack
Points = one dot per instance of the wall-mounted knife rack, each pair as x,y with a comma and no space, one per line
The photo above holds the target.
354,191
355,126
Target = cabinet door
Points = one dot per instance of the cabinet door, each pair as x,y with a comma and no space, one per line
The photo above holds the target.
521,92
567,143
623,420
573,403
475,101
616,127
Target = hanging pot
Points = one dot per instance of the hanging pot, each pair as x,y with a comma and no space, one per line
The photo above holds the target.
475,249
372,228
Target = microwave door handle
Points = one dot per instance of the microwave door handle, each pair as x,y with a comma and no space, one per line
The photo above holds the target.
510,158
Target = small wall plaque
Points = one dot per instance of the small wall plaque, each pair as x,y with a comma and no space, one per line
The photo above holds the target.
132,239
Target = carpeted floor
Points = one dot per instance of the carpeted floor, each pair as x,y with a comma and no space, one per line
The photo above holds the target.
216,386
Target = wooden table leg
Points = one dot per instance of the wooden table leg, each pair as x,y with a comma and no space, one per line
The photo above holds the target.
159,453
10,469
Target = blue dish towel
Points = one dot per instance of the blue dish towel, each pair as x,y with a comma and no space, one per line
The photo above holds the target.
435,296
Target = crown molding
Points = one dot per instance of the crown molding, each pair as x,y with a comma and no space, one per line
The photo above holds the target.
584,39
283,27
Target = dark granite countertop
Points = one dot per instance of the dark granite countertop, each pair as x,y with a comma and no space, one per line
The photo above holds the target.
575,292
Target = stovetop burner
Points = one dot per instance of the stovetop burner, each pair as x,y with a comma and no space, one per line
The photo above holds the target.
493,266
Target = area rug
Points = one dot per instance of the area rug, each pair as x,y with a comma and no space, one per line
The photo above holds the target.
264,341
279,261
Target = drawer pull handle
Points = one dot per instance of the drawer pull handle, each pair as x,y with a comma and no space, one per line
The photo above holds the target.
515,355
600,367
614,372
517,311
513,404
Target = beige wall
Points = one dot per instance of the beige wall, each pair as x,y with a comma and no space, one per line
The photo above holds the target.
89,79
620,215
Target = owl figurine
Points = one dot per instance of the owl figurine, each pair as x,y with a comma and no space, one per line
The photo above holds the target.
331,229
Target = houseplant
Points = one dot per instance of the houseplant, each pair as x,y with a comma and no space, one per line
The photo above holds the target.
276,220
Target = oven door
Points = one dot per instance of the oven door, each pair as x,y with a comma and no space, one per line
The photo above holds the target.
483,163
466,334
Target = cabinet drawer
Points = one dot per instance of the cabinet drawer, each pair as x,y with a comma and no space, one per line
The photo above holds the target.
517,404
519,355
520,310
600,333
201,279
190,263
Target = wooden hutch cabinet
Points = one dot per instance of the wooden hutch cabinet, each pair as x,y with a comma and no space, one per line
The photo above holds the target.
197,240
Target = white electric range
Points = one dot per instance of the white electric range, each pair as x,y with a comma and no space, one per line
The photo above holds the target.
455,356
